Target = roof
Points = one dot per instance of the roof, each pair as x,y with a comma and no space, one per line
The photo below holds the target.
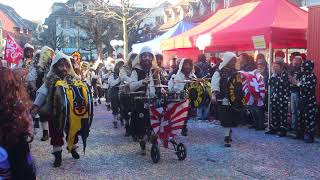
169,24
15,17
233,28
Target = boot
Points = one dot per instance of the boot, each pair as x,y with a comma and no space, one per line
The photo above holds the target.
45,135
143,147
308,138
297,135
271,131
282,132
227,141
121,121
75,154
127,134
184,131
115,124
108,107
57,159
99,101
36,122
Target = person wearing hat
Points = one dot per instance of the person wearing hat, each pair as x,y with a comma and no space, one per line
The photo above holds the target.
39,68
124,90
176,84
307,102
26,61
279,95
219,88
63,85
114,82
143,79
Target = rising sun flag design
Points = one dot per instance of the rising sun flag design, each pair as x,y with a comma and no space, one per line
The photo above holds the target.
167,121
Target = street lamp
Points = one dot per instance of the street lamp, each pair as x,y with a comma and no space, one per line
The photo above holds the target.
115,44
90,46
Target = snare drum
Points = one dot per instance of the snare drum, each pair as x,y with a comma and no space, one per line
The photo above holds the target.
176,97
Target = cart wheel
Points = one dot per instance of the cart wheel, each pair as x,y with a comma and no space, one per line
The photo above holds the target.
155,153
181,151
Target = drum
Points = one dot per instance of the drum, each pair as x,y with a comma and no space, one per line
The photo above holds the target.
199,93
175,97
235,92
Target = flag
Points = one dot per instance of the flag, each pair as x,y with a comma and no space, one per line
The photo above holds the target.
168,121
13,52
253,87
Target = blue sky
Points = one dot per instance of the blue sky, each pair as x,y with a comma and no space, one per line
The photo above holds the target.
39,9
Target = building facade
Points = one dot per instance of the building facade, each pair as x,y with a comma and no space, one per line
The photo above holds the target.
63,23
12,23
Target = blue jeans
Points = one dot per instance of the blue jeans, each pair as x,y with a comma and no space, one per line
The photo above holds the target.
294,110
258,116
203,112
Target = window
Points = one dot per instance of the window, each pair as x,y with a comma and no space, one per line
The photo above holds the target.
303,2
62,22
226,3
165,19
213,6
90,6
65,23
173,15
202,9
72,23
191,13
21,30
181,14
78,6
72,42
159,20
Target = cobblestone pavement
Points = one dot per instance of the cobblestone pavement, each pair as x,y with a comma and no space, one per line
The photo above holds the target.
253,155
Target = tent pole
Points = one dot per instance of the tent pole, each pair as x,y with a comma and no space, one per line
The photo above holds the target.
270,63
287,54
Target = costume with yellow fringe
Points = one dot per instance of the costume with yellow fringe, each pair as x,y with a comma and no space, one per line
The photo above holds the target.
72,109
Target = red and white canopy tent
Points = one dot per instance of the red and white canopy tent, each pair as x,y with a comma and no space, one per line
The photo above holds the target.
280,23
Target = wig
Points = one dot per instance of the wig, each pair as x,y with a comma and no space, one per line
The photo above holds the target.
15,104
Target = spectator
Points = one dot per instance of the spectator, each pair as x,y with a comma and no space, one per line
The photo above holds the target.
203,65
15,125
294,72
279,84
246,62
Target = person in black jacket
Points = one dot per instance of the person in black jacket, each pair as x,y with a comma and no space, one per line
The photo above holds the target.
143,81
114,82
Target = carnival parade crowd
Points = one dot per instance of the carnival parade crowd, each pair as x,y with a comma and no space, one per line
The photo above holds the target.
58,93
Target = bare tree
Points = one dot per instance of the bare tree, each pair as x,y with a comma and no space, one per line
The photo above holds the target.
50,37
123,11
100,30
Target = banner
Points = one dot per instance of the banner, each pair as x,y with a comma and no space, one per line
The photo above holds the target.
259,42
13,53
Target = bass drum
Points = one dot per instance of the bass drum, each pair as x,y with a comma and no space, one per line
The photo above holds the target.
198,93
235,92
